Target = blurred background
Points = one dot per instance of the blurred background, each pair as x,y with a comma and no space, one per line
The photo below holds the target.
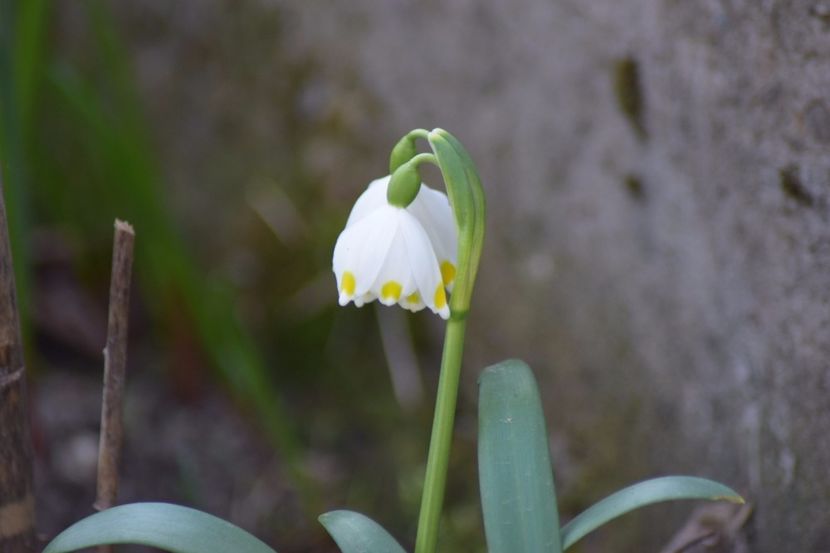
657,176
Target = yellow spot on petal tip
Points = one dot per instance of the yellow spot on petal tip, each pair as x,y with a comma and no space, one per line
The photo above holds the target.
440,297
447,272
391,291
347,283
414,297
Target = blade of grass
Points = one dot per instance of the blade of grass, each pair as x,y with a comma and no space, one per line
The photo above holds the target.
29,46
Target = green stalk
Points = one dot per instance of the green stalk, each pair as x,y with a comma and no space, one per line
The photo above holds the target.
467,200
441,439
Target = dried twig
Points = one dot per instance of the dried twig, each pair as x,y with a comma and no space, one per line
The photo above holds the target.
115,364
17,504
713,528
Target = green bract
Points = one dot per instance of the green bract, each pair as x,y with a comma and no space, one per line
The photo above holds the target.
467,199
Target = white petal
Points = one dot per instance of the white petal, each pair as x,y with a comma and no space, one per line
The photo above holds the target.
372,198
340,264
412,302
396,255
395,279
424,265
361,250
433,211
359,301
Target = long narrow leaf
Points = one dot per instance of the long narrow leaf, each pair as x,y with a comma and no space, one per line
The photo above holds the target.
170,527
356,533
667,488
517,492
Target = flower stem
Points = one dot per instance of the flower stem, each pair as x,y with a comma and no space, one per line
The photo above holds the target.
466,197
442,428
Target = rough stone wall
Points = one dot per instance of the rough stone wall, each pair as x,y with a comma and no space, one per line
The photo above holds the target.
659,232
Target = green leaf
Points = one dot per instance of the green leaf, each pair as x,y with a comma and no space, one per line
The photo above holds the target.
517,492
162,525
356,533
667,488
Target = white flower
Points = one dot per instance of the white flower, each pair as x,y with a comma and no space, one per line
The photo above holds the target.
397,255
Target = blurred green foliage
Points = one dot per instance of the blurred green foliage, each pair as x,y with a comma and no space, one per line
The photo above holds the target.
21,38
93,163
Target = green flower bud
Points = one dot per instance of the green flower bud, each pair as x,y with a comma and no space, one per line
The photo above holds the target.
403,151
404,185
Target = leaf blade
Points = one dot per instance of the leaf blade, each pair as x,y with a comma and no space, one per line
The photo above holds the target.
357,533
163,525
656,490
516,480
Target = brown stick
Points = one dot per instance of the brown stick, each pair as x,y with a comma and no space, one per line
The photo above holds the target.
115,365
17,504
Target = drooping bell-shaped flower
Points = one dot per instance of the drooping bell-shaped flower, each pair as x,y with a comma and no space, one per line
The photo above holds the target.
404,255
